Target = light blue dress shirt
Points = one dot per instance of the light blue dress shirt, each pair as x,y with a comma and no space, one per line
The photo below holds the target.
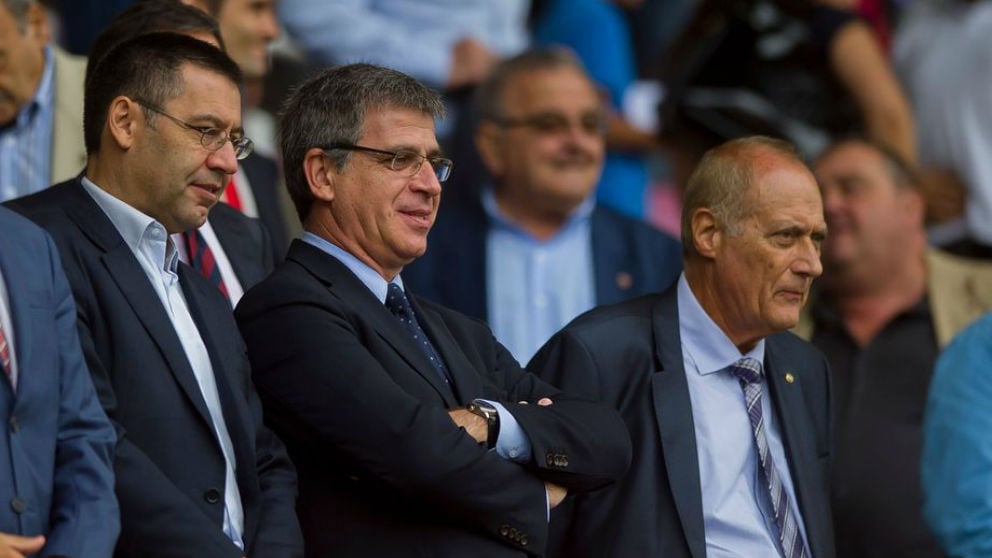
956,466
737,513
512,443
413,36
26,145
155,252
535,287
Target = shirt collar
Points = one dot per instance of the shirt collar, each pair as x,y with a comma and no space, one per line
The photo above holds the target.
135,227
579,216
368,276
44,96
702,340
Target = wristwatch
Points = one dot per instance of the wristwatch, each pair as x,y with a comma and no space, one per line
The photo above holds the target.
488,412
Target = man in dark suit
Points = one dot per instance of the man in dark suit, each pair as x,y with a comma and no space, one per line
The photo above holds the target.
536,248
243,248
728,413
57,448
415,433
197,472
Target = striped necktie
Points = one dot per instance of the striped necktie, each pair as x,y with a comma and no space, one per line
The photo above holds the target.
748,371
5,357
201,258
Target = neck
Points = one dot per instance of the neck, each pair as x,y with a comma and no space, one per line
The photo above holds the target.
867,303
533,217
707,290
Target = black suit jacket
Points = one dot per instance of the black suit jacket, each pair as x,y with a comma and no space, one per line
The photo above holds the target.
263,176
169,465
630,355
630,258
383,469
245,242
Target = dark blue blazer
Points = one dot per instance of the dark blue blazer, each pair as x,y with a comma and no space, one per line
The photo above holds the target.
384,472
629,355
630,258
56,447
169,465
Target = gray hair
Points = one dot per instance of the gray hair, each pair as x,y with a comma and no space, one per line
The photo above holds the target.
721,181
489,96
19,11
330,107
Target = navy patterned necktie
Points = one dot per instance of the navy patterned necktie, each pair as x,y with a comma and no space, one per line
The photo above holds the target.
748,371
399,305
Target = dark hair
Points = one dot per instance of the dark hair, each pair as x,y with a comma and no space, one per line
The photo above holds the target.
904,175
151,16
146,67
489,96
330,107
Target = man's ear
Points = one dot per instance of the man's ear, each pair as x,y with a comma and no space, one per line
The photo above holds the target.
320,171
122,121
706,233
489,142
36,24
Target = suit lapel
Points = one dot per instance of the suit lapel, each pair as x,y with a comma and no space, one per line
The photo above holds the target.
673,413
130,278
611,260
466,381
790,410
349,288
20,309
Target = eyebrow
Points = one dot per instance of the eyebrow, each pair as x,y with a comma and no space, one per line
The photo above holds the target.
432,153
215,122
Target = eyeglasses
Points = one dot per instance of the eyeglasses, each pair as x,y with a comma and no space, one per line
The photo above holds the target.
403,160
211,138
552,123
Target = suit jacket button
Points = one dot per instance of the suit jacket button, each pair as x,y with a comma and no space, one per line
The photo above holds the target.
212,496
14,424
504,530
564,461
523,540
550,459
19,505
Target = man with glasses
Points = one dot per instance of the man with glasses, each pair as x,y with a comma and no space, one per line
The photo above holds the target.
414,431
197,472
536,248
233,250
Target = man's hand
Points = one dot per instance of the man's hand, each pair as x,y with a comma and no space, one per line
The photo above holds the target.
471,62
14,546
555,494
472,423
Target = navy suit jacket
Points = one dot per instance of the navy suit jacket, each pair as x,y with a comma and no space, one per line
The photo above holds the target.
630,258
169,464
57,445
245,242
384,471
263,176
629,355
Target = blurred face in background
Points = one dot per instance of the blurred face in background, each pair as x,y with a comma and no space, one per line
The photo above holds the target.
248,27
22,59
868,213
547,150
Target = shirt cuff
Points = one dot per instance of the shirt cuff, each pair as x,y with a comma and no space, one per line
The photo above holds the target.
511,443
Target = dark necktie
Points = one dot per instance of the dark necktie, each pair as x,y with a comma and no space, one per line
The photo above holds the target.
5,357
201,258
399,305
748,371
